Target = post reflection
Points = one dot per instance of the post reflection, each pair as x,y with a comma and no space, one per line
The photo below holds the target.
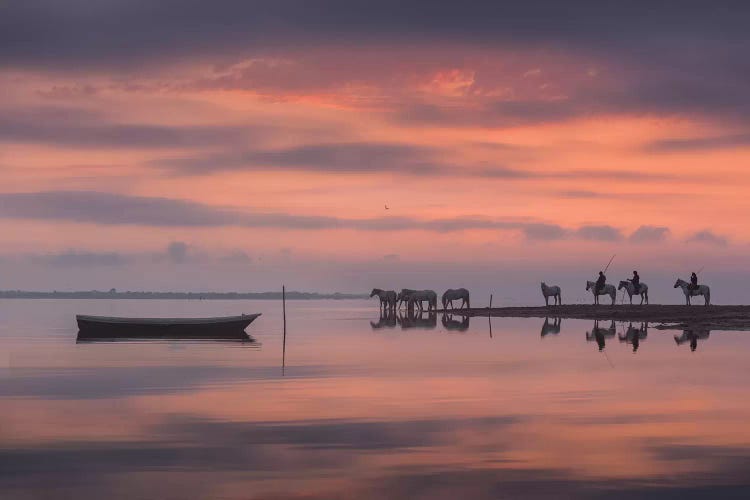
633,335
692,335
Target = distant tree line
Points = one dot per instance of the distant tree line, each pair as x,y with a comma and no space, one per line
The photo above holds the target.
114,294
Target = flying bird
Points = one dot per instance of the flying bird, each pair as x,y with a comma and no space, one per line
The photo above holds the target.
386,207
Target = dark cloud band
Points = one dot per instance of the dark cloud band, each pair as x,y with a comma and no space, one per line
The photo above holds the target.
116,209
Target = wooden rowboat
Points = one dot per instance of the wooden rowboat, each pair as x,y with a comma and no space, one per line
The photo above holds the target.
106,328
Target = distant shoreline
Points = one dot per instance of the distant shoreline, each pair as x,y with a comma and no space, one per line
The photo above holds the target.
113,294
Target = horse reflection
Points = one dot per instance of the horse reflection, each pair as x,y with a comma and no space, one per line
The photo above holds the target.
553,327
455,325
388,319
692,335
634,335
599,334
415,318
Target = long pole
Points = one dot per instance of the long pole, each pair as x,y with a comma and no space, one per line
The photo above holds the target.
610,262
283,313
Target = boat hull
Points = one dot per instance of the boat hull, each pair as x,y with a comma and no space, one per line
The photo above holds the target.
106,328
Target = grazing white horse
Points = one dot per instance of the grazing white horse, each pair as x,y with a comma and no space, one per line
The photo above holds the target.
387,298
459,293
701,290
628,286
551,291
607,289
420,296
403,296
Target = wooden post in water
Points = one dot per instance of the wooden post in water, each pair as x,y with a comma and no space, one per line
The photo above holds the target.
489,317
283,312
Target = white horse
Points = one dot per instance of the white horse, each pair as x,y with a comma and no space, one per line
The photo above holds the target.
551,291
459,293
628,286
421,296
403,296
387,298
701,290
606,290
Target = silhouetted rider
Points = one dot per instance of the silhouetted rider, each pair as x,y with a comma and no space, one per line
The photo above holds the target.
600,282
693,282
636,281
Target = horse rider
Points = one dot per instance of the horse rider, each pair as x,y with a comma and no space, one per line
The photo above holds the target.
693,282
636,281
600,282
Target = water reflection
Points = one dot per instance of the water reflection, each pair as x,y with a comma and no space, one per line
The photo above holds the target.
455,323
551,328
599,334
414,318
100,338
388,319
370,416
633,335
692,336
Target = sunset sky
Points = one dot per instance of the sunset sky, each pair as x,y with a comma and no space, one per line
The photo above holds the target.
239,145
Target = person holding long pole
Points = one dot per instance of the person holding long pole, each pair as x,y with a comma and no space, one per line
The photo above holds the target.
602,279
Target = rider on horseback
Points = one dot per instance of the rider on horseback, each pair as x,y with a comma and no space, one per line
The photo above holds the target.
600,282
693,282
636,281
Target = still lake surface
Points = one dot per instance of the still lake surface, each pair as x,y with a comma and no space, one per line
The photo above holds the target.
366,409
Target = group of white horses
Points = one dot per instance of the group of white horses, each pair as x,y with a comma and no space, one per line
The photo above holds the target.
390,300
607,289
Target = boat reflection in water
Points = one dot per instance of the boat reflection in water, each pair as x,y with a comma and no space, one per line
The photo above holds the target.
599,334
455,325
551,328
108,329
634,335
692,335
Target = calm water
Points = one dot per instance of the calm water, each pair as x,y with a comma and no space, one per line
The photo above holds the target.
367,412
